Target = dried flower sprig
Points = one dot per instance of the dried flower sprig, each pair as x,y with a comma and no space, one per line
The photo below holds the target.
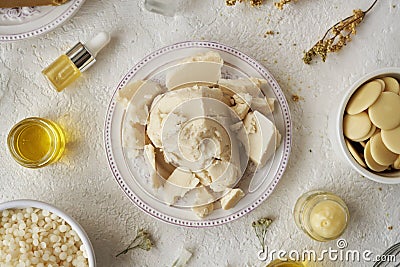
253,3
142,240
337,36
260,228
281,3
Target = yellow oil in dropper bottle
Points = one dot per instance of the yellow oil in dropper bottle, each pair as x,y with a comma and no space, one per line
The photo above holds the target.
69,67
36,142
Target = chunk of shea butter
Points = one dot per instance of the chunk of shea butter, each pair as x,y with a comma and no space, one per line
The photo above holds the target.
231,198
328,219
133,136
178,184
204,202
242,104
201,68
250,86
264,105
199,142
172,102
150,157
137,97
263,137
223,175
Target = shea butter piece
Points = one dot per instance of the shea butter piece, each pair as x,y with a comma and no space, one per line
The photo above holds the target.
178,184
391,85
357,126
173,102
203,177
232,198
134,136
223,175
364,97
385,112
150,157
204,203
265,106
140,94
201,68
242,104
263,137
250,86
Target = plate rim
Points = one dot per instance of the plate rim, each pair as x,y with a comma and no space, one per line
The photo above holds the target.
60,20
286,149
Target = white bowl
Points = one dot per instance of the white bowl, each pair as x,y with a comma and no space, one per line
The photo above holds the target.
129,174
27,203
385,178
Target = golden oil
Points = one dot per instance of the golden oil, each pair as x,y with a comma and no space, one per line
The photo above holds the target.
69,67
36,142
287,263
61,73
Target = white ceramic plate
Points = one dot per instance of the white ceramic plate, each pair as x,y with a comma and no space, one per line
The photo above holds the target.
24,22
130,175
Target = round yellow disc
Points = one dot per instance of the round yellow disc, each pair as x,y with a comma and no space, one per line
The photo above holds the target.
371,133
385,112
382,83
356,126
380,153
391,85
364,97
391,139
371,163
355,154
396,163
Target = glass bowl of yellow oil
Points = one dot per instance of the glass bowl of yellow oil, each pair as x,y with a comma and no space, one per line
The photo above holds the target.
287,263
36,142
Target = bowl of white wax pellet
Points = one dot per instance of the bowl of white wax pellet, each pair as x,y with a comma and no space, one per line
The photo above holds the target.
34,233
367,126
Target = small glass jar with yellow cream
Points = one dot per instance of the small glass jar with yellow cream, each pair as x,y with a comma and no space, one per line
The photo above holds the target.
321,215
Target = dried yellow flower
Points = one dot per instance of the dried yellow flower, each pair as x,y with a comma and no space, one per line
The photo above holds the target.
281,3
337,36
253,3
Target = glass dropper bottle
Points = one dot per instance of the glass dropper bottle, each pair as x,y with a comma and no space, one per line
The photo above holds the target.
69,67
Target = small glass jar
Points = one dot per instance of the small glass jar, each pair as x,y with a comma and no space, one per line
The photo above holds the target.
163,7
36,142
321,215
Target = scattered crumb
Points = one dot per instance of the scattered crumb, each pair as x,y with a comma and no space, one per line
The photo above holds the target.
390,227
310,151
268,33
297,98
394,6
294,44
275,61
380,188
280,43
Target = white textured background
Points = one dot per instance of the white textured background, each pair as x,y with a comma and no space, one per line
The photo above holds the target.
82,183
